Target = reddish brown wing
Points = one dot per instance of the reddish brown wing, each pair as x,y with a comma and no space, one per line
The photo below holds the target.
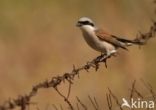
101,34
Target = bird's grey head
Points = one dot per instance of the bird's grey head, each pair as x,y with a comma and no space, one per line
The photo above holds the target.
85,21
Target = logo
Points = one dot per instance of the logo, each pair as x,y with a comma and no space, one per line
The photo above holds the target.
137,103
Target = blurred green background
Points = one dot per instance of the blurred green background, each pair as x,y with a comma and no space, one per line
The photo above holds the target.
39,39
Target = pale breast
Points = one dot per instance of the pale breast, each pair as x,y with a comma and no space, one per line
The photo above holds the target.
96,44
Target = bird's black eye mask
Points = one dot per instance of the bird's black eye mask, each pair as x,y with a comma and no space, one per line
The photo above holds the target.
86,23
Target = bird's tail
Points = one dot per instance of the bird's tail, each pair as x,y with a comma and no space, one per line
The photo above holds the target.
128,42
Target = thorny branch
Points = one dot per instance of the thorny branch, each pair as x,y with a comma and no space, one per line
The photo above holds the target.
25,100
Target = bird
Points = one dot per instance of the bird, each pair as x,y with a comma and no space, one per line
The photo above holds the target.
100,40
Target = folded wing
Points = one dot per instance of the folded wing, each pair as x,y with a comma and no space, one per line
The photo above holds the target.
117,42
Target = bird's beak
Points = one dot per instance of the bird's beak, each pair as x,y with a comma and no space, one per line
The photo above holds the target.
78,24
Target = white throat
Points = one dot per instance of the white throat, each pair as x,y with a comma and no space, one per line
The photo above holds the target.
87,28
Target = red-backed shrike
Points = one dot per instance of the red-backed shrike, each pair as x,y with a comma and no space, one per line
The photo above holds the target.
100,40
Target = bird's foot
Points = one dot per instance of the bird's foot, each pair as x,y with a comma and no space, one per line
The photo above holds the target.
113,53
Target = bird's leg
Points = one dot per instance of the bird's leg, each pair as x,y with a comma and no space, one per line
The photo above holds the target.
100,57
108,55
104,57
113,53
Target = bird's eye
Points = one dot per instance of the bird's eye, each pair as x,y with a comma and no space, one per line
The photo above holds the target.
86,23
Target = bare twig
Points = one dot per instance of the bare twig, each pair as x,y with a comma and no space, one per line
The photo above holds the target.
109,101
54,106
83,105
150,88
61,108
138,93
65,99
96,103
93,103
132,90
115,98
69,90
77,106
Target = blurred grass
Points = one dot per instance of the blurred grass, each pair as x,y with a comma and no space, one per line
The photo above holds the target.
38,40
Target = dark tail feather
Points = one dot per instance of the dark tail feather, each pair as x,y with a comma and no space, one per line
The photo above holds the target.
135,41
124,48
